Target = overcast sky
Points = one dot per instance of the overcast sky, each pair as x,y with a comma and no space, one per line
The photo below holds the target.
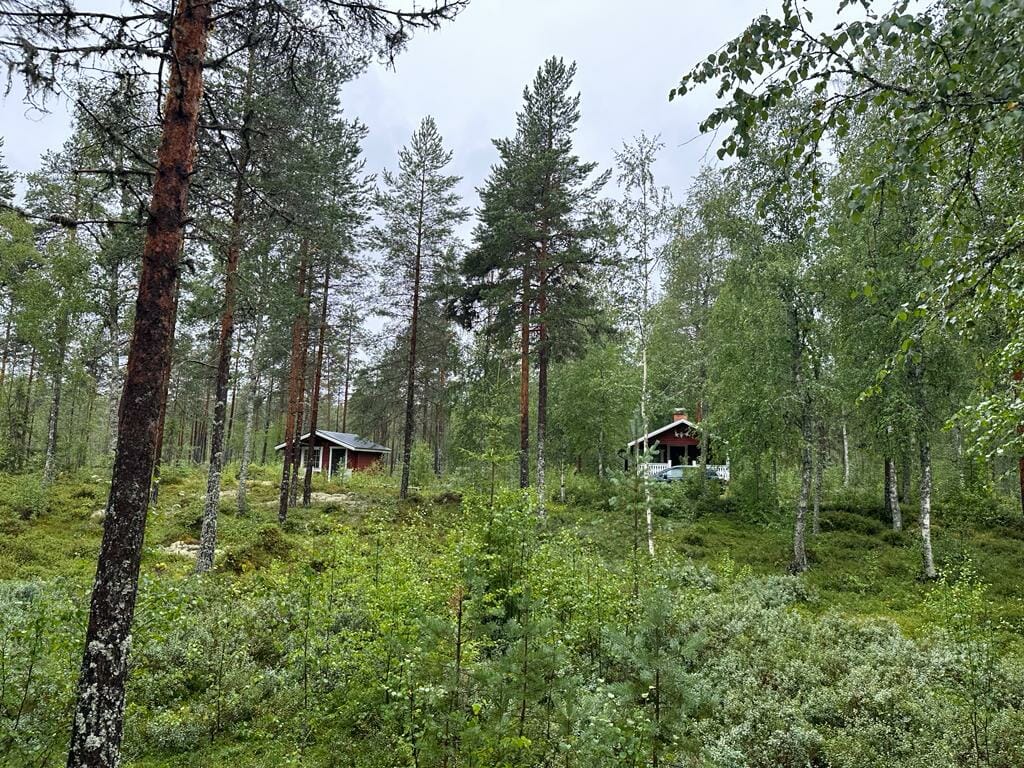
470,77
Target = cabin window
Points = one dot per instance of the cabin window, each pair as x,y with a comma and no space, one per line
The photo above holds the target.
314,457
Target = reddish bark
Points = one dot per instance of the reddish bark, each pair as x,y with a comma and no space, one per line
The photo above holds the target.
98,723
294,389
524,384
314,406
410,378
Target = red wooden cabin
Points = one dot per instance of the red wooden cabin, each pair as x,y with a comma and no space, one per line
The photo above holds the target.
336,451
678,442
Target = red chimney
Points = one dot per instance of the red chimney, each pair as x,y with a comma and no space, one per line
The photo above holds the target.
678,415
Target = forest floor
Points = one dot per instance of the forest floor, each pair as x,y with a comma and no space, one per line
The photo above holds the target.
860,572
858,566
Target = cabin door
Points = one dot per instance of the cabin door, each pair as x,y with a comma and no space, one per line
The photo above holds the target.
337,461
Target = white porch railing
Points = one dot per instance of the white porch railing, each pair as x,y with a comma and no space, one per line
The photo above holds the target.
653,468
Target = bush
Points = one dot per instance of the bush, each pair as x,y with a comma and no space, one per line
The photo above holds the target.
269,544
834,520
26,497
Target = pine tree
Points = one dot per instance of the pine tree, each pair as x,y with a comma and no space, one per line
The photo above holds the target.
538,234
420,210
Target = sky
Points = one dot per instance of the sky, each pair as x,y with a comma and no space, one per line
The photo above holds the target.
470,75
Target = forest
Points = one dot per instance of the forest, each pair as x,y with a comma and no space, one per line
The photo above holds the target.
305,462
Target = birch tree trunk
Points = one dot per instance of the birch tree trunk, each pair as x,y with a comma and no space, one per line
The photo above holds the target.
892,500
98,722
925,519
846,457
819,480
799,564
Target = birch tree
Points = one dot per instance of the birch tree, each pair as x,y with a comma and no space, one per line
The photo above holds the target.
644,216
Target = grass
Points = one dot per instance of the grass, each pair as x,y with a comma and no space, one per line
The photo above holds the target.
858,566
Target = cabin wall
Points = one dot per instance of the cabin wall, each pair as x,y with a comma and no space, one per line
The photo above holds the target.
359,460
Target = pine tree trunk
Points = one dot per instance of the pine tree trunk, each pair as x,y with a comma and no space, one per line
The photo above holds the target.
7,345
231,408
98,722
348,378
250,420
294,389
29,417
266,423
524,384
114,398
50,462
410,374
162,422
293,489
314,404
225,345
543,354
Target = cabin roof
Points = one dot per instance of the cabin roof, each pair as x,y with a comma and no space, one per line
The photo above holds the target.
659,430
346,440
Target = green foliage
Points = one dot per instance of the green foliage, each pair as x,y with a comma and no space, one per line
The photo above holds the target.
473,635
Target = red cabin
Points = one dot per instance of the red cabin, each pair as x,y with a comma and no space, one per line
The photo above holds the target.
336,451
678,442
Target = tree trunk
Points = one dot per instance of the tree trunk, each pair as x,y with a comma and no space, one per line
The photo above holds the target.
50,462
819,480
29,417
799,564
225,345
268,403
410,374
892,500
250,419
231,409
846,457
524,384
98,723
925,519
293,489
348,376
543,355
314,404
114,401
294,387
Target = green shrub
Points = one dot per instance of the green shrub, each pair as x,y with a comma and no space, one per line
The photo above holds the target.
25,496
834,520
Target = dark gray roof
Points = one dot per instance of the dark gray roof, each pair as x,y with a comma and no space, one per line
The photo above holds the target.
350,440
346,439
